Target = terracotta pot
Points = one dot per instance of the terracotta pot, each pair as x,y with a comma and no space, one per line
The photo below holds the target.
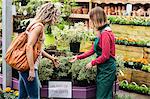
79,10
85,10
74,10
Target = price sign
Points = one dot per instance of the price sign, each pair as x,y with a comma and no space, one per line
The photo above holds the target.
60,89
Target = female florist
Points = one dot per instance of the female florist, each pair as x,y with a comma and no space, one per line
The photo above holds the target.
74,49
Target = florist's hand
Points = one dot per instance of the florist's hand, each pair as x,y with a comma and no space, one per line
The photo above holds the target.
89,66
73,59
31,75
94,66
55,61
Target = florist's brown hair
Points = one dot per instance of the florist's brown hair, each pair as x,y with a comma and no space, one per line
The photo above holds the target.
98,16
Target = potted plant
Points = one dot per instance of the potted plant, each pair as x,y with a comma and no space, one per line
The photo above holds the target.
72,35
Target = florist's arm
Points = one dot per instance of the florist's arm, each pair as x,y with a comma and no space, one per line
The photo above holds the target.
105,50
86,54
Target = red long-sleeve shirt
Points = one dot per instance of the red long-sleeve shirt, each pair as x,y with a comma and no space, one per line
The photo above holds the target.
107,44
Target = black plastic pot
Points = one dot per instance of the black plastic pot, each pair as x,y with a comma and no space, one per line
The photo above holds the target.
75,47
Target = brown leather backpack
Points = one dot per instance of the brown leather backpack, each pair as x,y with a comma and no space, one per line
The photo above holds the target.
16,53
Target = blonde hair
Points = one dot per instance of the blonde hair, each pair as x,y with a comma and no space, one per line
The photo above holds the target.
98,16
47,13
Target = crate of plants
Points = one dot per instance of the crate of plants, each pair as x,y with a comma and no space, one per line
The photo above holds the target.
133,87
81,78
135,63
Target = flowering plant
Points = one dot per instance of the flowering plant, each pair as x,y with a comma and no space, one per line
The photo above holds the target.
8,93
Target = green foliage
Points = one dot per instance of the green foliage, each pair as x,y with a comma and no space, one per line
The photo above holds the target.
66,9
127,20
119,63
146,68
54,1
143,89
75,33
74,71
45,69
131,42
64,66
80,73
123,97
30,8
49,39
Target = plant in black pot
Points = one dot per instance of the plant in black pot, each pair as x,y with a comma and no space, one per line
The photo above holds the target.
73,35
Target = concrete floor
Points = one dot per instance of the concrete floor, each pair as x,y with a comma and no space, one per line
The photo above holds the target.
133,95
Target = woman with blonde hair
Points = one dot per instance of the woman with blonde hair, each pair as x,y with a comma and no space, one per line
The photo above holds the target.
104,47
29,86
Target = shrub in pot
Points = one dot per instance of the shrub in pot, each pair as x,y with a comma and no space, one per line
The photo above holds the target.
73,34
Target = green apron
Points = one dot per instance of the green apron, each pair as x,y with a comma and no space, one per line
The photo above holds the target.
105,75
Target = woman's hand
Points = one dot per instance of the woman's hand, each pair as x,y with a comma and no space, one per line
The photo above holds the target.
73,59
55,61
31,75
52,58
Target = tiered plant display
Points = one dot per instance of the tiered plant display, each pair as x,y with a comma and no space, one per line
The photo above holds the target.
132,42
135,63
129,20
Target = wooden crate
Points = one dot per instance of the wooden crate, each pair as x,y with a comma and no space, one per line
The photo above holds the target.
129,51
140,77
127,75
131,31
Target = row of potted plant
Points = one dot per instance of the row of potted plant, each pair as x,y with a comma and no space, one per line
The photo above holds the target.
133,87
75,72
129,20
146,68
135,63
8,93
132,42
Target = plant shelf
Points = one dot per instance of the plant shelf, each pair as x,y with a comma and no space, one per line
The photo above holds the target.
82,0
82,16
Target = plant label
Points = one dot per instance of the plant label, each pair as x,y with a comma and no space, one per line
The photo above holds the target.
60,89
